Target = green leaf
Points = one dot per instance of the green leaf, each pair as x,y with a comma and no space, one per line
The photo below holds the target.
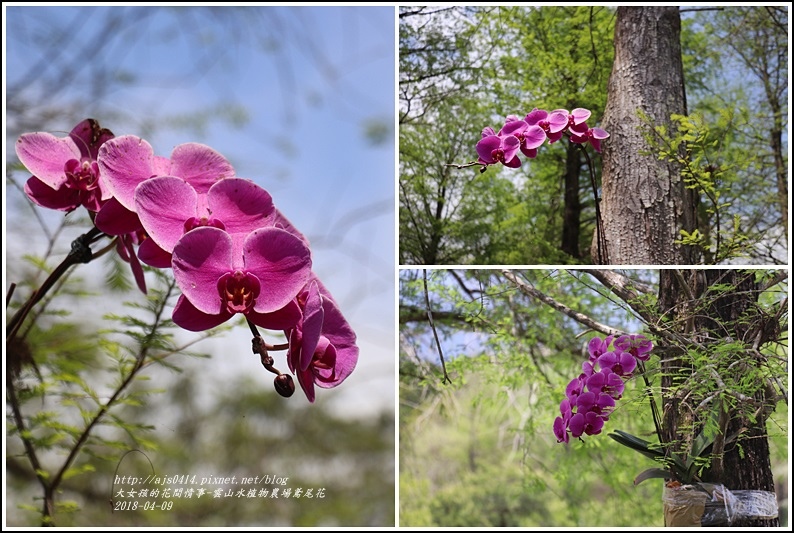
650,474
637,444
699,445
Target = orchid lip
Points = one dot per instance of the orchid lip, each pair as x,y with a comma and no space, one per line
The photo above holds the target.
238,291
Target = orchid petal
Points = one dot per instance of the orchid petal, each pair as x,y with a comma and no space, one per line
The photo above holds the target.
535,116
241,205
534,137
510,145
62,199
115,219
88,136
486,146
312,325
513,128
125,162
186,316
164,204
284,318
199,260
199,165
281,261
153,255
580,115
598,133
45,155
558,121
341,335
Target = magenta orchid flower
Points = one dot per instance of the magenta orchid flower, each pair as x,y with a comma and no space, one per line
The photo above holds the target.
552,124
589,423
561,430
530,137
599,403
597,347
621,363
574,389
494,149
65,170
581,133
561,422
261,282
606,382
68,176
590,398
129,160
322,346
587,370
636,345
577,116
169,207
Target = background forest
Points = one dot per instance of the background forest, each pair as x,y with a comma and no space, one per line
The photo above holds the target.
288,95
465,68
479,393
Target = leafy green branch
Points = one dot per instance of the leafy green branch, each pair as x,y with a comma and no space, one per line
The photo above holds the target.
59,409
702,151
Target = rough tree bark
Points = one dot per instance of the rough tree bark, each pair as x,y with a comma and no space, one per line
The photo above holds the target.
700,312
645,203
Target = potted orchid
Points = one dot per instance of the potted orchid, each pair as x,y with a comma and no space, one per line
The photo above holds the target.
688,500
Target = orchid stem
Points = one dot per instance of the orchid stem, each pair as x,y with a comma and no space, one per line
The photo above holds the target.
601,244
80,253
268,346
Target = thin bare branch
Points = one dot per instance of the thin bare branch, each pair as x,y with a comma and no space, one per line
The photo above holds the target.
551,302
433,327
624,288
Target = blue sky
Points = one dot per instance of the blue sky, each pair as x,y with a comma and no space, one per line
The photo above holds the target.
308,82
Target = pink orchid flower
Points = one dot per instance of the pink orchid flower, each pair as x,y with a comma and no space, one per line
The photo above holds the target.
129,161
621,363
168,207
67,175
552,124
322,346
581,133
65,171
494,149
597,347
577,116
530,137
637,345
260,282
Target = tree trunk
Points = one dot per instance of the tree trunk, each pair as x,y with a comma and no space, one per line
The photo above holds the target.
710,309
645,203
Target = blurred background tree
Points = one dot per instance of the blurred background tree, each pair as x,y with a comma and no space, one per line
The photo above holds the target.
299,100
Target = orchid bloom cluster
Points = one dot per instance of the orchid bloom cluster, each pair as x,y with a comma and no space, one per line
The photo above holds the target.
231,251
529,133
590,398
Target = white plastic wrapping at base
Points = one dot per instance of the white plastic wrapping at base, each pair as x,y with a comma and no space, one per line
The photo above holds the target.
706,504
